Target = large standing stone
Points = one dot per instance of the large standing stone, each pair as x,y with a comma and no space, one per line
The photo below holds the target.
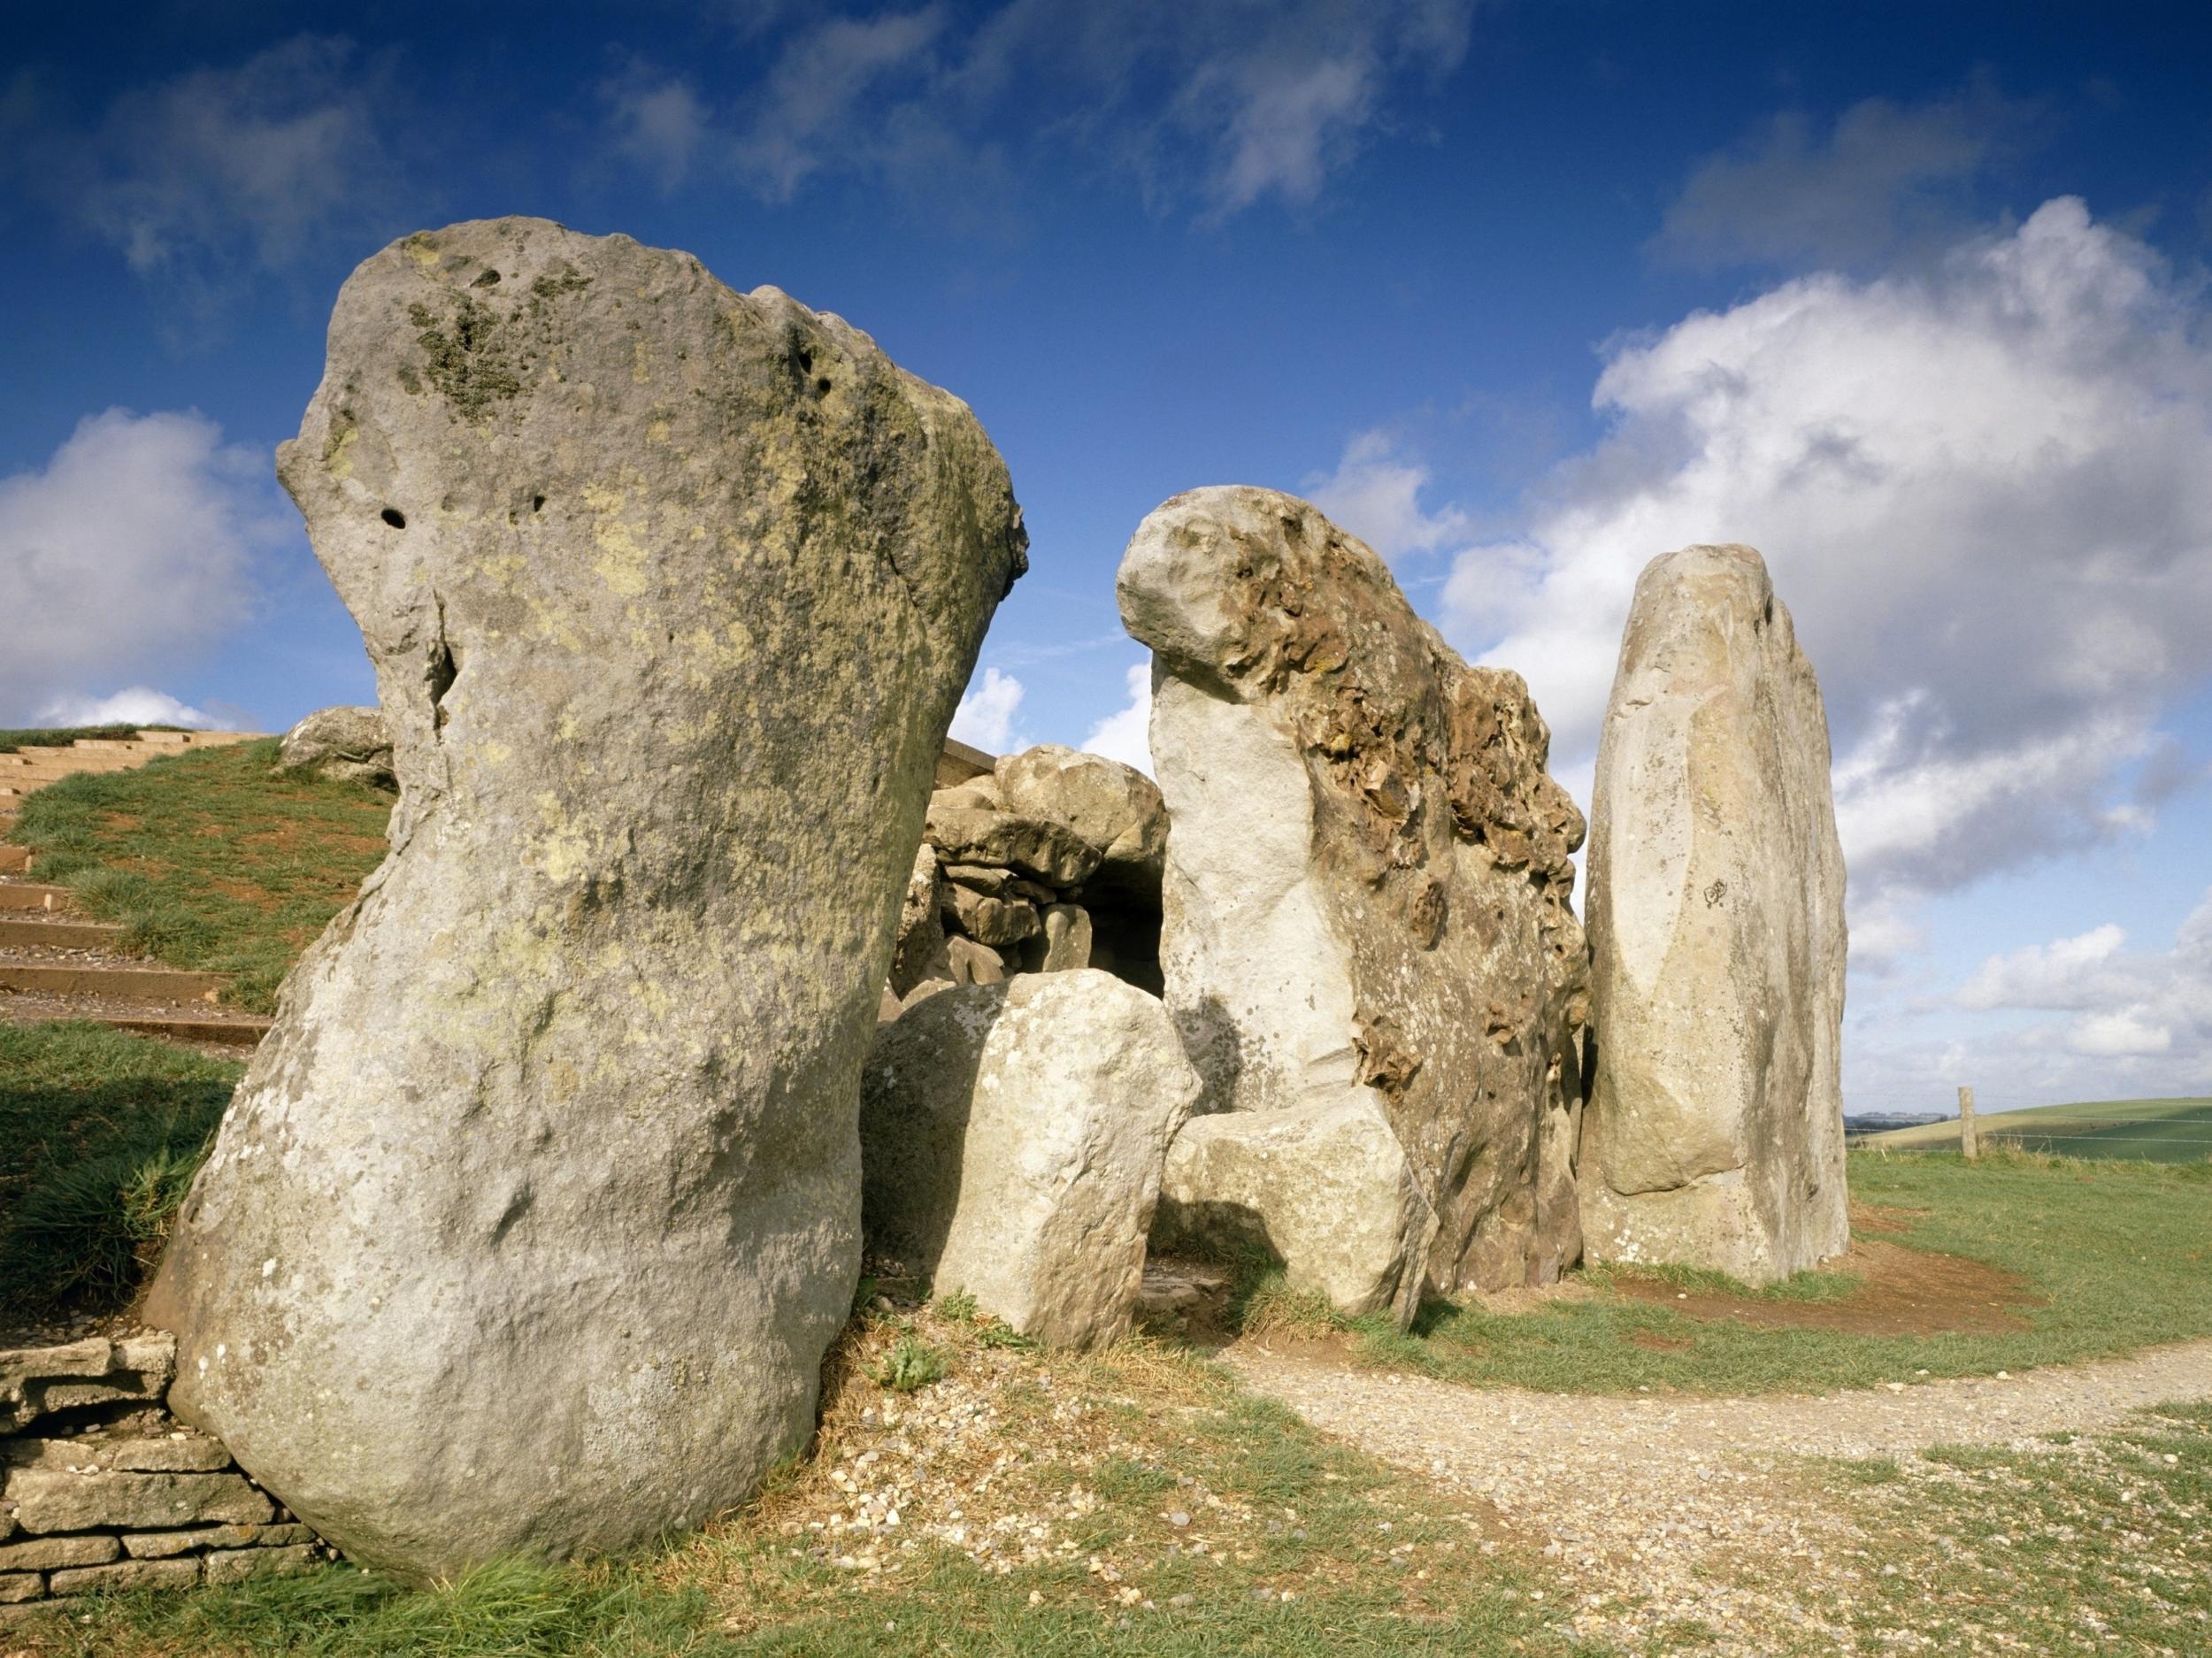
1367,889
533,1218
1012,1136
1714,1135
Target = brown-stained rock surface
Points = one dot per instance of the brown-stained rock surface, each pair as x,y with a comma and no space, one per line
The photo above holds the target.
1367,889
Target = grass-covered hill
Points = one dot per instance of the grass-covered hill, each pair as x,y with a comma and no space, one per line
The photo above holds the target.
2152,1130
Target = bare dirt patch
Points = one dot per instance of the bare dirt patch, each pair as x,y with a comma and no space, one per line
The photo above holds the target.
1901,1293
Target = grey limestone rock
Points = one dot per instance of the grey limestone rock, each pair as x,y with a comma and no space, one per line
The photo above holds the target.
1012,1136
1715,1131
531,1222
350,743
1114,807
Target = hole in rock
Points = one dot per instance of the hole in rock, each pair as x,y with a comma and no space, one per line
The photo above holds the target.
822,385
394,517
490,278
537,503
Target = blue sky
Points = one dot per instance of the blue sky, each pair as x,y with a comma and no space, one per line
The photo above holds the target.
1912,298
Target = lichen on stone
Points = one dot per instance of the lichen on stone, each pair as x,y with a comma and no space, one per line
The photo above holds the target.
468,357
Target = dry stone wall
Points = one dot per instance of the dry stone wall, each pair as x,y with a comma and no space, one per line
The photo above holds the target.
101,1490
1048,862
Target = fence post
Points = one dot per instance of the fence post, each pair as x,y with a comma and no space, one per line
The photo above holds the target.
1970,1140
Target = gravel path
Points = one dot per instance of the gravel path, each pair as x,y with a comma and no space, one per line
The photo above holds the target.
1664,1509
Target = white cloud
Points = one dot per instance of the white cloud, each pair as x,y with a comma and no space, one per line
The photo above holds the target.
656,122
1883,172
1126,734
2052,975
202,178
1376,494
134,549
1986,494
2150,1011
135,705
985,715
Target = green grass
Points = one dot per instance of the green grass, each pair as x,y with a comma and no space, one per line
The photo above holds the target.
2156,1131
100,1133
2098,1547
62,736
2119,1256
212,859
1372,1563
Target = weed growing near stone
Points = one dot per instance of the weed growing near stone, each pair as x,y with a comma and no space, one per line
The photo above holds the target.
210,858
912,1363
100,1133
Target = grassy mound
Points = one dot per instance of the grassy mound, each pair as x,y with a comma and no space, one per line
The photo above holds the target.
62,736
100,1134
211,858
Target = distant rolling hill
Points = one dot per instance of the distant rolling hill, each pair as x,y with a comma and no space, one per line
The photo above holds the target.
2160,1130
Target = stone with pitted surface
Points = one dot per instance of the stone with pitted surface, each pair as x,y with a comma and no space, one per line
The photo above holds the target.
529,1227
1367,885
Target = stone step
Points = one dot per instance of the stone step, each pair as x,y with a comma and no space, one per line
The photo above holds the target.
165,984
30,895
243,1031
18,932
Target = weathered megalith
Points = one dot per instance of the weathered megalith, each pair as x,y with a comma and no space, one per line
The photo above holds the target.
352,744
537,1209
1012,1136
1367,886
1715,1130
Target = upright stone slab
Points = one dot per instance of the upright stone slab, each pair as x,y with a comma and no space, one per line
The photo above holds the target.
1367,885
1715,1135
1013,1136
534,1217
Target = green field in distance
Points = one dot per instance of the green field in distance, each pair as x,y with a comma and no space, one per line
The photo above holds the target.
2162,1131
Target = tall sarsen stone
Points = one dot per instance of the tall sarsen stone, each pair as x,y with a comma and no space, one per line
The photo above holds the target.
1715,1130
537,1209
1366,897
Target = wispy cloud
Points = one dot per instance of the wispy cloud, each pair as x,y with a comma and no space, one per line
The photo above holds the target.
656,122
1882,173
1375,492
1210,109
207,180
